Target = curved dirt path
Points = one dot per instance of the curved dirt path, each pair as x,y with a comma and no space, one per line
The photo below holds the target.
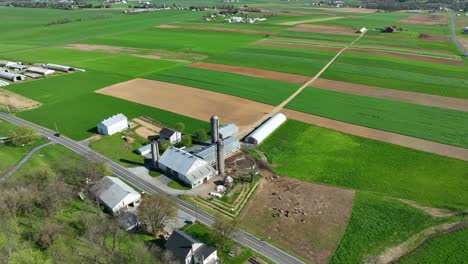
23,162
435,212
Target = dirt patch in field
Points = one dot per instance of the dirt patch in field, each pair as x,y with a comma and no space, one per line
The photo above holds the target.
188,101
464,42
245,31
312,20
324,29
291,45
434,38
349,10
16,102
436,212
426,19
146,129
308,218
272,75
141,53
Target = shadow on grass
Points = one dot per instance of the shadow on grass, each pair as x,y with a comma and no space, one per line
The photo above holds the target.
131,162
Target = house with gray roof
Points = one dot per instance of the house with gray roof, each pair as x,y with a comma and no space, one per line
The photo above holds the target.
116,195
189,250
187,167
231,146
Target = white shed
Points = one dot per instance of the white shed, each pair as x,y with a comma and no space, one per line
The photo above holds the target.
263,131
362,30
40,70
112,125
116,195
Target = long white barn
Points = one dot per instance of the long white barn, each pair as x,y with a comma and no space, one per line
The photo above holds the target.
263,131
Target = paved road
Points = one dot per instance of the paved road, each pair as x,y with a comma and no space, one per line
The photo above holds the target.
240,236
454,35
23,161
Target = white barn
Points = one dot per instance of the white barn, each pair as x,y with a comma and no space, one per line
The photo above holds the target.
186,167
112,125
263,131
116,195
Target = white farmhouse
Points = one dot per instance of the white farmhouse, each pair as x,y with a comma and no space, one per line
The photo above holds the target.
186,167
170,135
116,196
188,250
112,125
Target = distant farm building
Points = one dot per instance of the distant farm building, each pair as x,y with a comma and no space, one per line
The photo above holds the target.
59,67
263,131
362,30
170,135
112,125
465,30
116,195
14,77
188,250
186,167
231,146
40,70
390,29
228,130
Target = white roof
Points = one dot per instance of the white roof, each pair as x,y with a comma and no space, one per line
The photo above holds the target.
192,167
263,131
228,130
114,119
112,191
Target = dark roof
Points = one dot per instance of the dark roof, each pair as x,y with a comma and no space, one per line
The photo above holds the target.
128,220
166,132
180,243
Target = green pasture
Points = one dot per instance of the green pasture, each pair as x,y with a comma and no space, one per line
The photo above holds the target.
450,248
11,155
416,80
198,41
262,26
430,123
257,89
410,43
6,128
318,36
334,158
303,62
376,223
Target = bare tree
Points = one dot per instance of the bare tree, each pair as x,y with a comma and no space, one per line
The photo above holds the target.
48,232
222,231
157,210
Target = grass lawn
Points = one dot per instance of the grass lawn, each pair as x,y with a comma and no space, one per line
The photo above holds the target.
178,186
117,149
376,223
257,89
451,248
6,128
430,123
334,158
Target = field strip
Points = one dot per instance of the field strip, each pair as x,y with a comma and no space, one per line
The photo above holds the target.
323,29
220,29
380,135
396,54
345,87
313,20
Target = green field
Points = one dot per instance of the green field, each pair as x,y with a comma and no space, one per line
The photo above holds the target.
435,124
257,89
334,158
303,62
378,222
318,36
451,248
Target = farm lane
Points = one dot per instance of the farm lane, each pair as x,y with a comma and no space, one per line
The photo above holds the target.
23,161
262,247
278,108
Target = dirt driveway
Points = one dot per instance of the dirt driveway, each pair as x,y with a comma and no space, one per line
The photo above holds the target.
308,218
188,101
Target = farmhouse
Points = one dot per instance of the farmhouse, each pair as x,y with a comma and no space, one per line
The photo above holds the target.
186,167
263,131
231,146
228,130
189,250
116,195
170,135
112,125
40,70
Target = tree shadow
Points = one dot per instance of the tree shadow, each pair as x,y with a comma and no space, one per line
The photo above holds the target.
131,162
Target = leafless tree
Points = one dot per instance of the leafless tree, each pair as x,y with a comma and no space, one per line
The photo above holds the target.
48,232
157,210
222,231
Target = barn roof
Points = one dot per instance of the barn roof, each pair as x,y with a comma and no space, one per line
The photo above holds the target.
167,132
112,191
209,154
114,119
228,130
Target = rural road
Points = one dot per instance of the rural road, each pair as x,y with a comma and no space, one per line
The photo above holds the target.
262,247
279,107
23,161
454,35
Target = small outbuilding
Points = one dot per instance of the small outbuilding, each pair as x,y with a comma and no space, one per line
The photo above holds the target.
188,250
57,67
362,30
40,70
263,131
116,195
112,125
186,167
228,130
145,150
170,135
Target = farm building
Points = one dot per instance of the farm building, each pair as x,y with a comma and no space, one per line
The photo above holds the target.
362,30
145,150
228,130
465,30
185,166
231,146
390,29
17,66
41,71
59,67
189,250
263,131
170,135
116,195
112,125
3,83
14,77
